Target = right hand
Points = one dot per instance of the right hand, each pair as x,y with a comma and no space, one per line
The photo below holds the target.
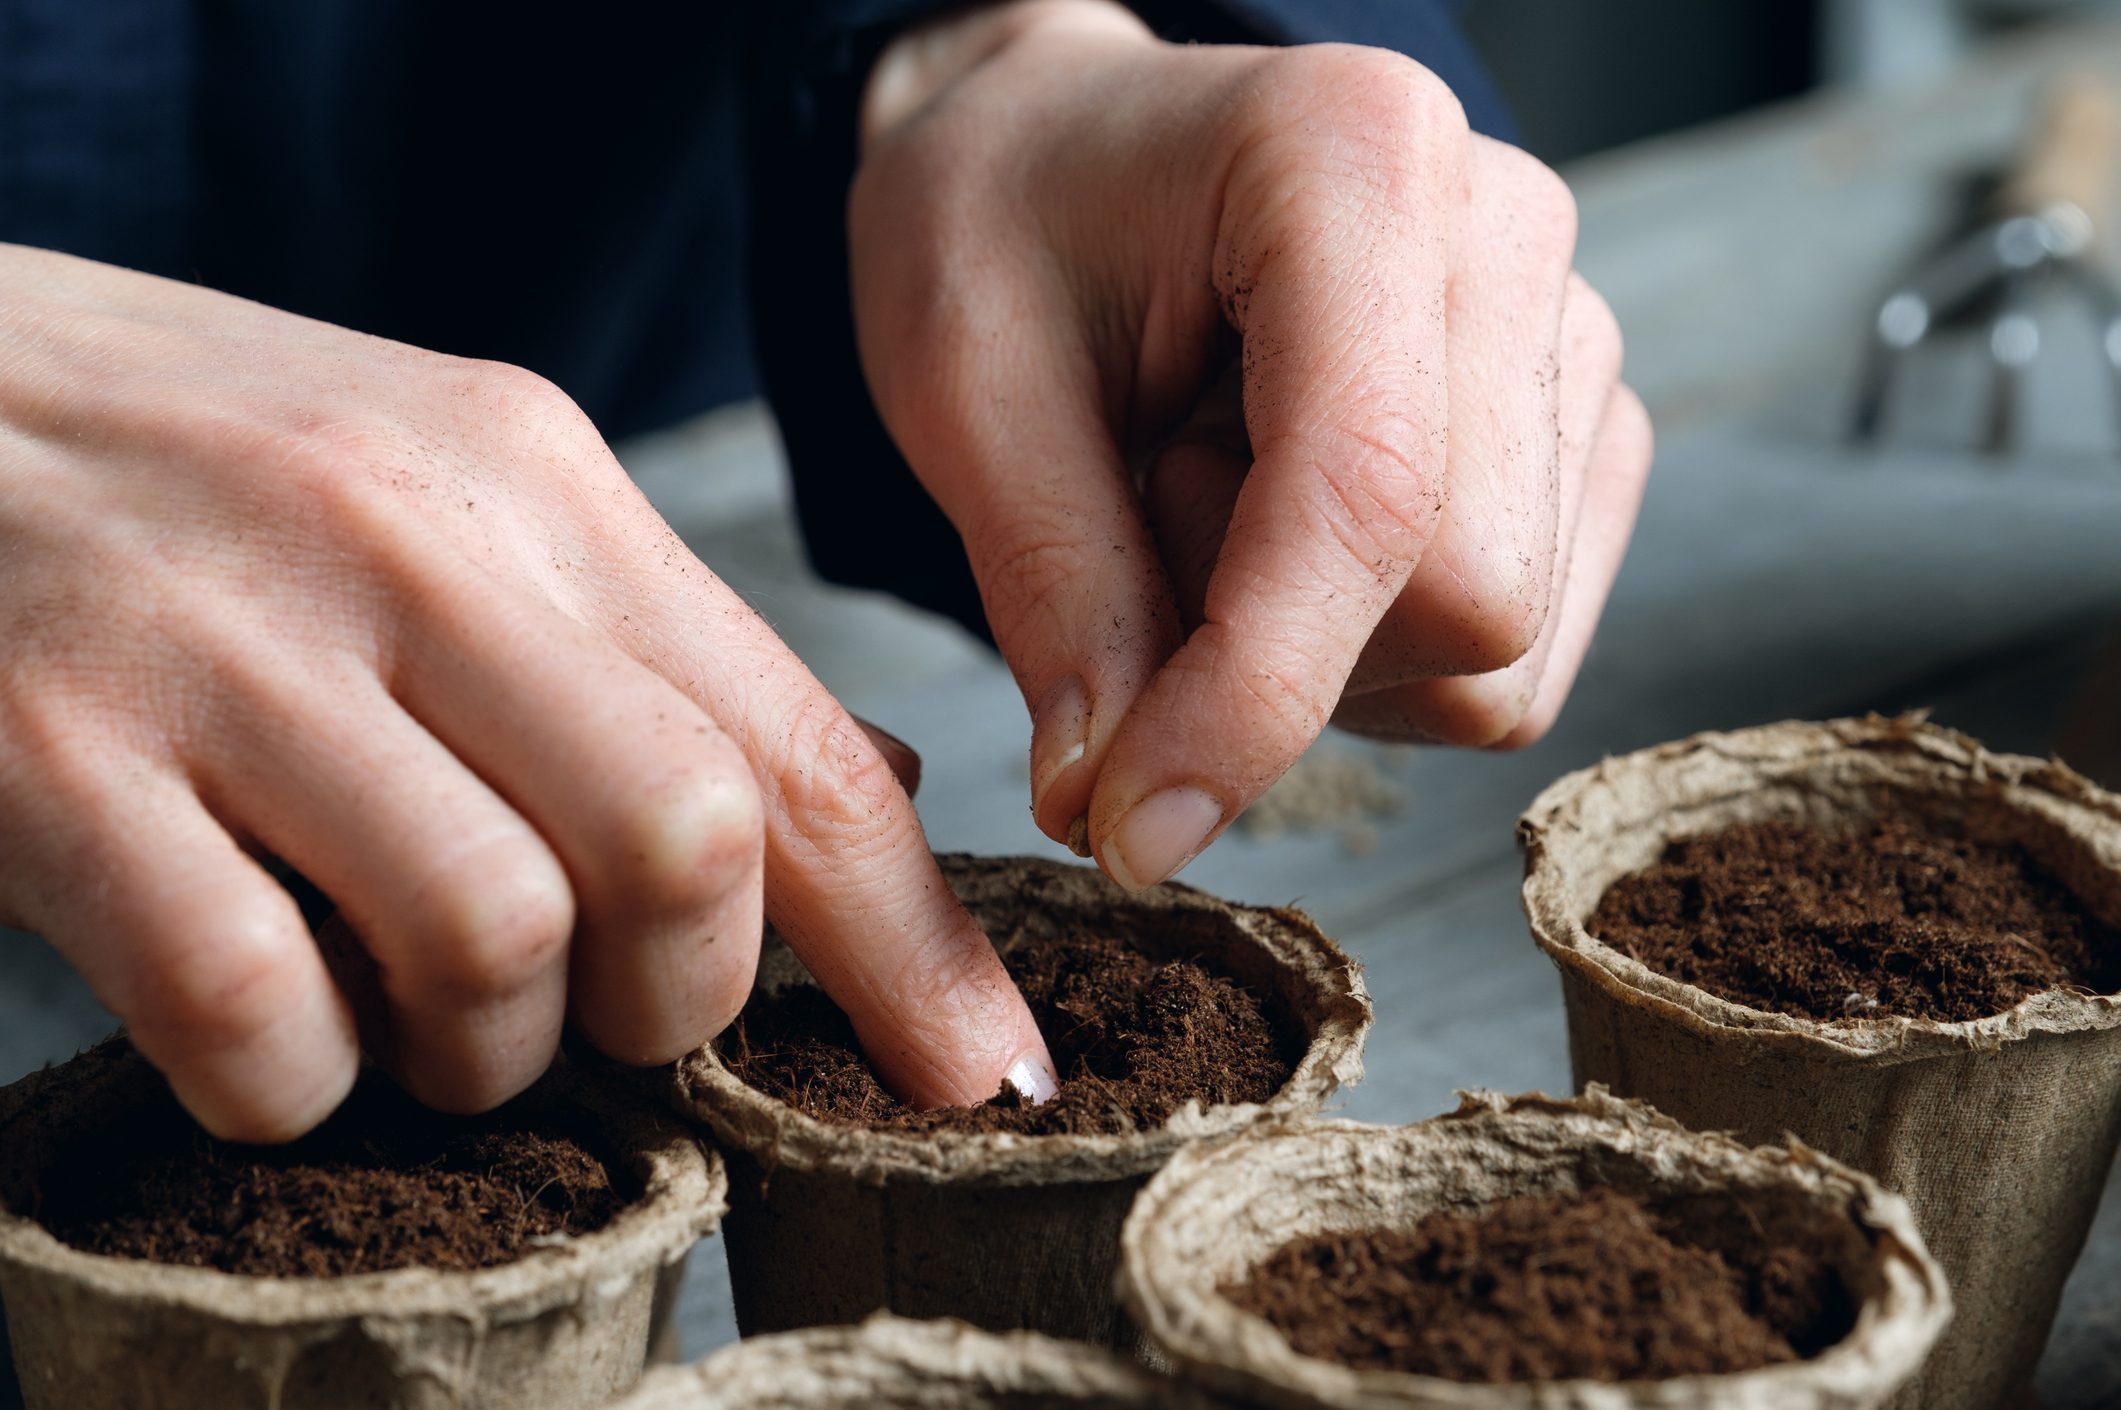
270,587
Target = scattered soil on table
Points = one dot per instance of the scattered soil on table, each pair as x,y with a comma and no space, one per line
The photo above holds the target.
1135,1039
1594,1285
1887,921
1326,789
385,1183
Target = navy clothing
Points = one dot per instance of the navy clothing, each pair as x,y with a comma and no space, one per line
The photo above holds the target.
567,188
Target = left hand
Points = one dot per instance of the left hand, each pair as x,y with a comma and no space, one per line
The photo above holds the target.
1402,514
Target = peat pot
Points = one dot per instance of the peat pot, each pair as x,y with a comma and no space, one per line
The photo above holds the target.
565,1327
1999,1131
830,1221
889,1362
1219,1211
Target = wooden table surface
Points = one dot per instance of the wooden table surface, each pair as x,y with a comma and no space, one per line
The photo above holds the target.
1775,574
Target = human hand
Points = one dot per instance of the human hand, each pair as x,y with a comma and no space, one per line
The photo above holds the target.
271,587
1066,233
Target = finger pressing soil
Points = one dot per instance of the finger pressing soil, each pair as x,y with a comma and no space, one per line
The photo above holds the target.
385,1183
1134,1039
1593,1285
1886,921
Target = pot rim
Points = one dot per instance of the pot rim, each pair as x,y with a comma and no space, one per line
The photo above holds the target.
682,1199
1244,1354
778,1136
942,1349
1903,755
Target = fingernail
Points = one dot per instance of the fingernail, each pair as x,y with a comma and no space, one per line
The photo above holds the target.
1159,835
1033,1078
1059,736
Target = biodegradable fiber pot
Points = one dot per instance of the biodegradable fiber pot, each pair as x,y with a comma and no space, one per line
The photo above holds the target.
1219,1211
830,1221
563,1328
889,1362
1999,1131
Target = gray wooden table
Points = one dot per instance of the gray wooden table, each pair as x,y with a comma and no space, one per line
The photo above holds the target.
1775,574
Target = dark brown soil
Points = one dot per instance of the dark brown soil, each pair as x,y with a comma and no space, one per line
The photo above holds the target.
1593,1286
1134,1039
1885,922
385,1183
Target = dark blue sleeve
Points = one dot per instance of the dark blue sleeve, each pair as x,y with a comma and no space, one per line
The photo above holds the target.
865,518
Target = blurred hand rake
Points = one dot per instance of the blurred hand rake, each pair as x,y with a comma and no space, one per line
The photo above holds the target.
2042,226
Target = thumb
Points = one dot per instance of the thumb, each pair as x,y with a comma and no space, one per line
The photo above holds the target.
1012,439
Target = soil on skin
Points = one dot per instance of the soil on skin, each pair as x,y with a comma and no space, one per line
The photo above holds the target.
1884,922
385,1183
1134,1039
1593,1285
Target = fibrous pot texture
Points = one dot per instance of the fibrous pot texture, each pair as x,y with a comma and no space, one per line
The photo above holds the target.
1999,1130
831,1221
892,1362
1220,1210
565,1327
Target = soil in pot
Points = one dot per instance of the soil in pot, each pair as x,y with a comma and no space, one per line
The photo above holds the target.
395,1257
385,1183
1887,921
1593,1284
1134,1038
1171,1015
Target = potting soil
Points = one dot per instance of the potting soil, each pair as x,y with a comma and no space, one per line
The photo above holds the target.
1134,1038
1885,922
1593,1285
385,1183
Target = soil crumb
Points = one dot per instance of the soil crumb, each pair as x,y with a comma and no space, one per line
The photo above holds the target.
1135,1039
1593,1285
385,1183
1885,922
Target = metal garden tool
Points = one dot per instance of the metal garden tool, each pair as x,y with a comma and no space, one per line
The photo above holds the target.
2041,229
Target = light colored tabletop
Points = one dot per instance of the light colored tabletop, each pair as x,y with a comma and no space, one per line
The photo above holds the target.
1775,574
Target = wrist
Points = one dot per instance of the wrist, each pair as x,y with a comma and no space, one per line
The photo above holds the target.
919,65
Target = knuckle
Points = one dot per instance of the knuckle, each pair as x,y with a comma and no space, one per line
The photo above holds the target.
1419,105
497,928
1359,82
1280,695
1353,126
949,990
340,477
701,835
1536,198
226,991
837,788
1023,574
525,405
1378,504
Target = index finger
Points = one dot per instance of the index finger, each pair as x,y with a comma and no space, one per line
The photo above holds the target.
850,882
1332,261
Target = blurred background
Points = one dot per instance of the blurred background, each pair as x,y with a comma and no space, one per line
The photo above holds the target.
1583,78
1802,213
